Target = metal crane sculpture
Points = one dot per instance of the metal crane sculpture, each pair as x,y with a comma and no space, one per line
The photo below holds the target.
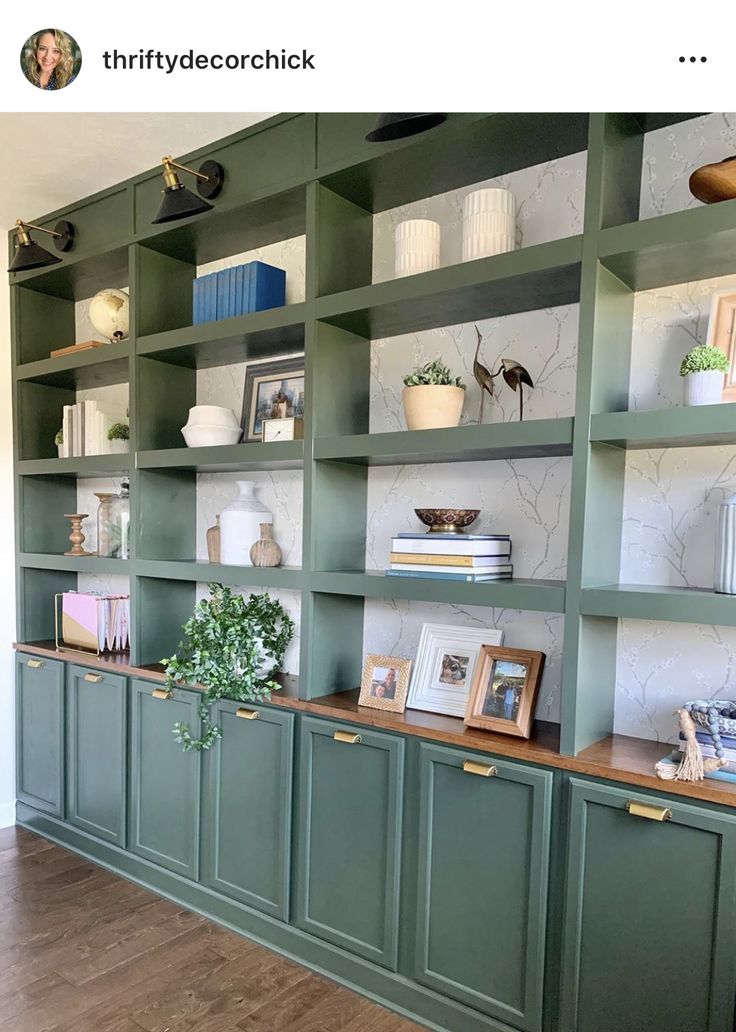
514,374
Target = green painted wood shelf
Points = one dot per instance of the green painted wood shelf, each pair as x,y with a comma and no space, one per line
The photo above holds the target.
74,563
536,438
648,602
698,426
315,176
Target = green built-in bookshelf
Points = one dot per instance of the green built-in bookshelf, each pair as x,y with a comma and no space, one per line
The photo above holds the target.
315,175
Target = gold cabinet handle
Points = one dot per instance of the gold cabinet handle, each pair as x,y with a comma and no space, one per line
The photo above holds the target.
93,678
347,737
652,813
160,693
35,664
483,770
247,714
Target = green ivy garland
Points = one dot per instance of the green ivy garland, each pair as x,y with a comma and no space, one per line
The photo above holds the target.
227,642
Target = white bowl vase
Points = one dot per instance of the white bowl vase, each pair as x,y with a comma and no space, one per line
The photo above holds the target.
212,415
417,247
430,406
118,446
703,388
240,525
725,576
210,436
489,223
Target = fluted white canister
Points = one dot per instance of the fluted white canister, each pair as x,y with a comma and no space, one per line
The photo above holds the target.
240,525
725,579
417,246
489,223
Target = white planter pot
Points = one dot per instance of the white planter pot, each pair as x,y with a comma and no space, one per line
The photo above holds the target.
489,223
417,247
118,447
60,450
431,406
725,576
240,525
703,388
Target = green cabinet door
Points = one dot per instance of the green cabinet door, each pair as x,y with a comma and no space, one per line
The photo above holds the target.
649,915
165,789
96,751
39,715
248,776
484,839
350,790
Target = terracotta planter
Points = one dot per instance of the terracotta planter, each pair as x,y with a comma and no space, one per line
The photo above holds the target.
431,406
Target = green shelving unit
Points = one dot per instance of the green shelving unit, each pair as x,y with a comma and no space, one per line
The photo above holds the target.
315,175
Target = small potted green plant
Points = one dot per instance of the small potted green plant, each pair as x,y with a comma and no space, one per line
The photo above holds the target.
233,648
118,435
432,397
59,442
702,371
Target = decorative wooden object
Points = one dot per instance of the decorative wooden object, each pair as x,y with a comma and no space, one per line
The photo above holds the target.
77,535
86,345
265,551
715,182
213,541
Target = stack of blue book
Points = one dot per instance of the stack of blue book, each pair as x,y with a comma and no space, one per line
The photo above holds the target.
252,287
452,557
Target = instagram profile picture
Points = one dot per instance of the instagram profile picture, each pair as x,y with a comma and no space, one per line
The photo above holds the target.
50,59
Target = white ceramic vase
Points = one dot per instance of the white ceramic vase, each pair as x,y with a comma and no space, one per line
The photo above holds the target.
429,406
489,223
417,247
725,577
703,388
240,525
118,447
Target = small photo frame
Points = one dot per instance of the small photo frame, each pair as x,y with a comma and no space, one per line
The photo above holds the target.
722,334
273,390
385,683
504,690
445,667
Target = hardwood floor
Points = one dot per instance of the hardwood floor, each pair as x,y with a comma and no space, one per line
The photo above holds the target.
82,950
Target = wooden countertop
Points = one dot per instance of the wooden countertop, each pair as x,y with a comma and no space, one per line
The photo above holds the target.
615,758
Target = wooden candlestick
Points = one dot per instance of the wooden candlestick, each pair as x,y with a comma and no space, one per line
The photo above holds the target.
77,535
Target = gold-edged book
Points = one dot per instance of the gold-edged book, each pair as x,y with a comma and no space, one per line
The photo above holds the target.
73,348
425,559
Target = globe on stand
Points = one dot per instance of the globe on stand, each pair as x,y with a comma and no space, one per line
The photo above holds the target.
109,313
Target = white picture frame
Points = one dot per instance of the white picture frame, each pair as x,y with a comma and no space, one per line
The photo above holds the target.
444,669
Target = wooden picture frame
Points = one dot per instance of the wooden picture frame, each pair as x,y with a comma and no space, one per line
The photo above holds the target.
504,690
264,383
445,664
385,683
722,334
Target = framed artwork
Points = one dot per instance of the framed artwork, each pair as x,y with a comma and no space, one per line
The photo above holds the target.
504,690
273,390
385,683
445,667
722,334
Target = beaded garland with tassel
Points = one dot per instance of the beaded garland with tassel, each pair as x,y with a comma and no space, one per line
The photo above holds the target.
692,766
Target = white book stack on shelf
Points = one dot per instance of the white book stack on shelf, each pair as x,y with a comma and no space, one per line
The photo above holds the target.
85,427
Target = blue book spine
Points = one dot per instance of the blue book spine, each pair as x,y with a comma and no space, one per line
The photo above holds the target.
222,293
232,304
207,304
245,307
196,301
269,287
470,577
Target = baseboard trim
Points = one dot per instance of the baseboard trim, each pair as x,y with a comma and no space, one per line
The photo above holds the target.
7,815
384,987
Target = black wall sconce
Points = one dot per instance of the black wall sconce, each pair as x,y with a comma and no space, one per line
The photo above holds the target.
30,255
180,203
398,127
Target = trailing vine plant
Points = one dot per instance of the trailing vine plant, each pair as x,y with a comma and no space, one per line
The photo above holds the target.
234,648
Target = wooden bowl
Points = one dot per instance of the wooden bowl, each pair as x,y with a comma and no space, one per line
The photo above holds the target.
716,182
447,521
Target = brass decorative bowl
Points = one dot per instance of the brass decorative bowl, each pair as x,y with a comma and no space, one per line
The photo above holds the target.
447,521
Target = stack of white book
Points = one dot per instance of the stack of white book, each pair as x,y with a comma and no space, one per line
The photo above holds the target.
84,428
459,557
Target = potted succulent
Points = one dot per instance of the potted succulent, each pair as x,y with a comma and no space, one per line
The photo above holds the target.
432,397
59,442
233,648
118,435
703,370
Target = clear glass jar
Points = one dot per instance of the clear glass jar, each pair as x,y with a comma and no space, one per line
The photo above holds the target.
113,524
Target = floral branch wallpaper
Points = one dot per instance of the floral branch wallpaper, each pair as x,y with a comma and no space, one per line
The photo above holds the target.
671,496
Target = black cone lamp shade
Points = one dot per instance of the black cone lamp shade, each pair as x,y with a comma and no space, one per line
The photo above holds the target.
178,202
398,127
30,255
